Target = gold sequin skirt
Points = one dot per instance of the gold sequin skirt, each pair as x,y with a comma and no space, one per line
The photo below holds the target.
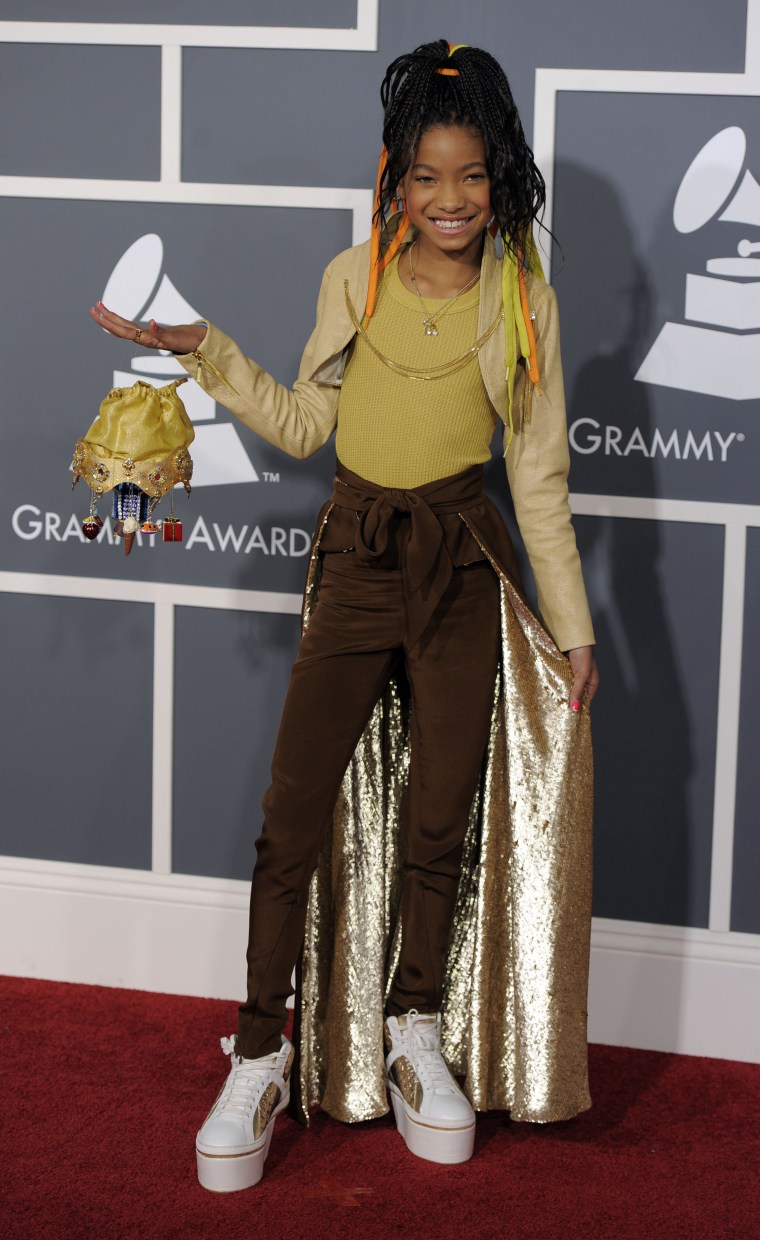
514,1014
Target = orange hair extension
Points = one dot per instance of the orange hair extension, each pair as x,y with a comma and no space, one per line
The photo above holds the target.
533,373
377,264
374,244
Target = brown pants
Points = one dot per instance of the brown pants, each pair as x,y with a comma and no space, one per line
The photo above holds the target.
356,637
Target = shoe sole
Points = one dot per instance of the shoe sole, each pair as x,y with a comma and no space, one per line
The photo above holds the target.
230,1173
426,1140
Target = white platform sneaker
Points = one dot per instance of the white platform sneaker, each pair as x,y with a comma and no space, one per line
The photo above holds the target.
432,1114
233,1142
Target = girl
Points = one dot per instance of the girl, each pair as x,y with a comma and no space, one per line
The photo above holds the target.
460,939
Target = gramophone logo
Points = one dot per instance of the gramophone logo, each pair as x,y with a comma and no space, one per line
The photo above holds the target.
722,358
139,290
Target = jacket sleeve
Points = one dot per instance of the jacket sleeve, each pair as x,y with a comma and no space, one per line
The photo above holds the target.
538,462
299,421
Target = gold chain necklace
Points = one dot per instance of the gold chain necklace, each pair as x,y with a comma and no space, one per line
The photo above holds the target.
430,321
431,372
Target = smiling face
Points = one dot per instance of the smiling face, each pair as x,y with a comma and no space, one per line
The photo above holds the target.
447,191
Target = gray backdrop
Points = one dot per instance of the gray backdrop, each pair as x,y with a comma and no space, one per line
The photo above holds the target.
77,752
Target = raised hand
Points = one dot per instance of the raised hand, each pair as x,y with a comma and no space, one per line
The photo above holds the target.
183,339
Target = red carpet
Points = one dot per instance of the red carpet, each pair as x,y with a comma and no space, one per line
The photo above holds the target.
103,1092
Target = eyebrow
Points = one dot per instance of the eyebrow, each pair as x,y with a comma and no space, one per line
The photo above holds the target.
476,163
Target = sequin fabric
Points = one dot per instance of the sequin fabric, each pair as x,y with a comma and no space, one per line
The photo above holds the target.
269,1100
514,1013
408,1082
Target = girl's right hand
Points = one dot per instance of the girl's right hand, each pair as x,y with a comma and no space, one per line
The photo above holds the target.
183,339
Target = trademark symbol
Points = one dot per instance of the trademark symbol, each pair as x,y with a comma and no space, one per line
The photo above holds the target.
271,477
740,437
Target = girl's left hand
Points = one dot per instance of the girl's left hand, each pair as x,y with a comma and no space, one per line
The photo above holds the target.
181,339
585,674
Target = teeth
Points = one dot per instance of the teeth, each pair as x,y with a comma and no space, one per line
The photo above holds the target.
450,224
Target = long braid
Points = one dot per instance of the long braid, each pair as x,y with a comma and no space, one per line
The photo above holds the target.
416,95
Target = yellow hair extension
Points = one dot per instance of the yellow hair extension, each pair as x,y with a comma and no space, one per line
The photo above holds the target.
517,314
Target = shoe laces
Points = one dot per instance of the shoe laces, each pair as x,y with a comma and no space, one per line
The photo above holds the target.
247,1080
424,1040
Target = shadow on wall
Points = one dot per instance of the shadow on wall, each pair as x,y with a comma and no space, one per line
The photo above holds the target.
644,751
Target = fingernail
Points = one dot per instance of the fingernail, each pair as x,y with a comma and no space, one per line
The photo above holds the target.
102,303
576,705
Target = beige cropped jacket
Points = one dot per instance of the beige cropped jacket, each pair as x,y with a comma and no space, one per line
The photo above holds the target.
301,420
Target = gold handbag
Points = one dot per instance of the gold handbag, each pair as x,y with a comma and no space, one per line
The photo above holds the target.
136,448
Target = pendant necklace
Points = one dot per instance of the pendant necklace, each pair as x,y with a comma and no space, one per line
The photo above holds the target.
430,321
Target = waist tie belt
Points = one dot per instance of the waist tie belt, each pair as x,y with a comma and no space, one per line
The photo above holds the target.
425,562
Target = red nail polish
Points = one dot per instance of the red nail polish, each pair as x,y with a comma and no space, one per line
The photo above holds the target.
576,705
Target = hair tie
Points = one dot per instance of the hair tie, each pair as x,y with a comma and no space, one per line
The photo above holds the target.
453,47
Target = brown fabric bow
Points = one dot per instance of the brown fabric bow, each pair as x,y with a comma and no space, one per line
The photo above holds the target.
425,562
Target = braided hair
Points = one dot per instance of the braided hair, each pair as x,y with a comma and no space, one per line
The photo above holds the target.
431,86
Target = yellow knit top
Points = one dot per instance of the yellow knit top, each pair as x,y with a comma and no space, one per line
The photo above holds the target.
401,432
